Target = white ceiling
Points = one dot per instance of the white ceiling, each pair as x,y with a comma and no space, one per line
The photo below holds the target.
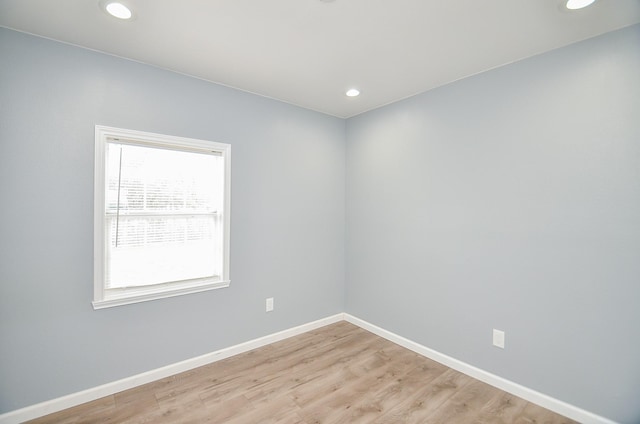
308,52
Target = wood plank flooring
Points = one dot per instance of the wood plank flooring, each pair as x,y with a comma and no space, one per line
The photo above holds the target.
336,374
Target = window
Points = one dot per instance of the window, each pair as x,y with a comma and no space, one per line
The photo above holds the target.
161,224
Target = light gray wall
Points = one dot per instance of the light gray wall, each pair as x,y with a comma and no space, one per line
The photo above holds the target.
287,219
510,200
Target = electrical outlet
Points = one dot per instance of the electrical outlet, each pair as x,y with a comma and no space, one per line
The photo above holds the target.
498,338
269,304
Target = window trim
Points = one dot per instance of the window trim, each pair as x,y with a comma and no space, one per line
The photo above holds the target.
103,134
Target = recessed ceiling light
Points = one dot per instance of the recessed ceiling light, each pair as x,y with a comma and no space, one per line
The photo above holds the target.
353,92
118,10
578,4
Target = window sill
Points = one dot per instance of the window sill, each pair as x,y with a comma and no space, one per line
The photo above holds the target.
128,299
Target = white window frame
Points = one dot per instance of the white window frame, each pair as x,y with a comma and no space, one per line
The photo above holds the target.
104,298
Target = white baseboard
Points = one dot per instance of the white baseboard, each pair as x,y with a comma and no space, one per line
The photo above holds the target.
74,399
555,405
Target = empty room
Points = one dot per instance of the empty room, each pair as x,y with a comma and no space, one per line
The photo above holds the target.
320,211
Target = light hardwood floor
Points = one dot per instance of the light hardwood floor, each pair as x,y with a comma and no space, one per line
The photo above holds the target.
336,374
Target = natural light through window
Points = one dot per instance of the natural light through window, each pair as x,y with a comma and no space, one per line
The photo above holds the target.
163,216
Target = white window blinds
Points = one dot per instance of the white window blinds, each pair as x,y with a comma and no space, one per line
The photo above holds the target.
163,215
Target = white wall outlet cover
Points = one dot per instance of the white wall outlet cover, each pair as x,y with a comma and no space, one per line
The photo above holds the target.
269,304
498,338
